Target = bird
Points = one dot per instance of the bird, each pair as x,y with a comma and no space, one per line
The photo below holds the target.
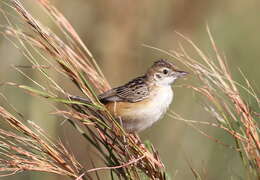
144,100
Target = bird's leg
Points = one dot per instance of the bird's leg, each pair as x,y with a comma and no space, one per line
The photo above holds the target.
137,138
121,124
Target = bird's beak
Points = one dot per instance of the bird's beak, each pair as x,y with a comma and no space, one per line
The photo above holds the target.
181,73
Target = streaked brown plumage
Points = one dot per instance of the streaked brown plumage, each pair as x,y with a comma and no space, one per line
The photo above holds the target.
142,101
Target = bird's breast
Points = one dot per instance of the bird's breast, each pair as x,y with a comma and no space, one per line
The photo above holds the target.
140,115
161,99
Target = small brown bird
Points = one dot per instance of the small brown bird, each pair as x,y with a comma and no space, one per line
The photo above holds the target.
144,100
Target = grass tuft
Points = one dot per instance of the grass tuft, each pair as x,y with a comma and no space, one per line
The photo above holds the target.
123,154
26,147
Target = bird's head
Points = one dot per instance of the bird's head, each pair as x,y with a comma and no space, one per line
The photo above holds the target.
163,72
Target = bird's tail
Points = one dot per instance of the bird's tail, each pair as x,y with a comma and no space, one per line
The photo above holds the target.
80,99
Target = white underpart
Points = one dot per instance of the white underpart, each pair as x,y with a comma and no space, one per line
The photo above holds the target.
165,80
152,112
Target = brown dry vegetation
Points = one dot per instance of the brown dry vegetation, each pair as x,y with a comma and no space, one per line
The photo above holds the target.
24,146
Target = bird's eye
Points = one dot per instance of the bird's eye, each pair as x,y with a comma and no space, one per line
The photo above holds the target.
165,71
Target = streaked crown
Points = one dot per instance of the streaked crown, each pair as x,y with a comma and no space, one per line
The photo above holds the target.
163,72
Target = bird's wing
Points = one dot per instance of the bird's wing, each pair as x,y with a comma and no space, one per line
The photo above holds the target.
134,91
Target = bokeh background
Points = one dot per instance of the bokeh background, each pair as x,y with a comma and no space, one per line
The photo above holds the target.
114,31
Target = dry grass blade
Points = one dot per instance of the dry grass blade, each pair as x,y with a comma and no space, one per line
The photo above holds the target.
123,154
225,102
72,62
27,150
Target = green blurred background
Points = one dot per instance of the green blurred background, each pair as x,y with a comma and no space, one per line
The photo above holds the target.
114,31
